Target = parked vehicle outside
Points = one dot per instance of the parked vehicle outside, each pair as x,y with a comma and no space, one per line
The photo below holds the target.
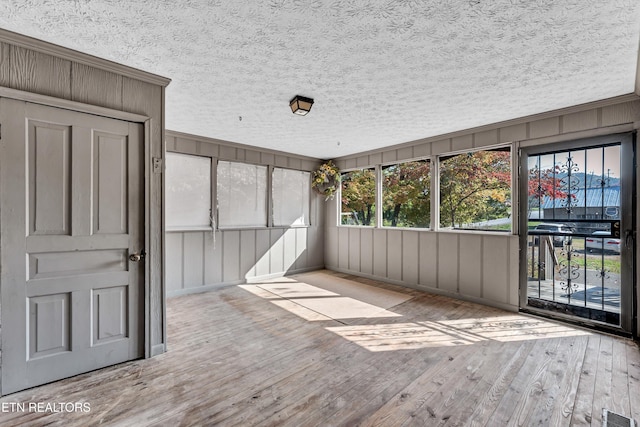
552,228
606,243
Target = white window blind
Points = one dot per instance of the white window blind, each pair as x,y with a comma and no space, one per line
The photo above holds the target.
290,195
188,191
242,195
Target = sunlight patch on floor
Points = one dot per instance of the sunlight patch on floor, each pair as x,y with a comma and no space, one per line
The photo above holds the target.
513,328
402,336
338,302
316,304
408,336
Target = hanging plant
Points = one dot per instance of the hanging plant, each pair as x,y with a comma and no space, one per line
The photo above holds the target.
326,180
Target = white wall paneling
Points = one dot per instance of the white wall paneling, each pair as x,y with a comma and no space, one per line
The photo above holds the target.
276,249
428,262
343,249
448,261
470,270
380,249
247,253
366,251
394,254
301,254
263,261
332,246
289,249
354,248
410,257
192,261
495,268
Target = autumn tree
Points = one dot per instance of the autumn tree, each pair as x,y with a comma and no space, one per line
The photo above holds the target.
359,194
406,195
474,186
544,183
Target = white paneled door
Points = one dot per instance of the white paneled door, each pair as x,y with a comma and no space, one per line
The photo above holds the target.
71,222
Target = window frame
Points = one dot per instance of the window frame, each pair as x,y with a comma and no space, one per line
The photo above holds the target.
434,169
267,198
272,203
375,219
212,195
513,187
430,161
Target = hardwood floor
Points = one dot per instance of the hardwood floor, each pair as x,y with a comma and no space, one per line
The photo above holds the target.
236,357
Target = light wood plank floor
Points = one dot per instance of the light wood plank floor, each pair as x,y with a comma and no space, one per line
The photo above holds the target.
238,357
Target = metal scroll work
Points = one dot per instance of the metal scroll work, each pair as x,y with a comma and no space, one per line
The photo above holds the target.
569,184
568,271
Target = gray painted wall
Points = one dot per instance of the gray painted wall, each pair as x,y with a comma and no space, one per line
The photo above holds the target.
80,81
198,261
476,266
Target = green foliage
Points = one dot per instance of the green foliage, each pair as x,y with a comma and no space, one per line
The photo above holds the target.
474,187
406,195
359,195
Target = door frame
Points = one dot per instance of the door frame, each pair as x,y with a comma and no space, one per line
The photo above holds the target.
626,140
147,123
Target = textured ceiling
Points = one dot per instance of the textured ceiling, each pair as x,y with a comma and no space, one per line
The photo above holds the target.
382,72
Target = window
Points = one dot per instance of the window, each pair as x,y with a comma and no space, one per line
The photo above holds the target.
242,195
405,195
358,198
290,195
188,191
475,190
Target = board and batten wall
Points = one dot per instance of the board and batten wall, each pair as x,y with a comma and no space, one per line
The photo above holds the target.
201,260
40,72
476,266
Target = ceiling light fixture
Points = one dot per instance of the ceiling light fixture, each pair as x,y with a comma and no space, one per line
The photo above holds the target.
300,105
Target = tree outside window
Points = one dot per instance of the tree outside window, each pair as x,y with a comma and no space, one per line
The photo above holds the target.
406,195
358,197
475,190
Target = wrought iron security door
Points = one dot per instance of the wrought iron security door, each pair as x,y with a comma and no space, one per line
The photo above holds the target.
579,241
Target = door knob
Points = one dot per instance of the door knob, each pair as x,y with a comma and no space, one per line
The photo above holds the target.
137,257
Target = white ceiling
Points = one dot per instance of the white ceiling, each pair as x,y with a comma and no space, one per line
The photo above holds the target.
382,72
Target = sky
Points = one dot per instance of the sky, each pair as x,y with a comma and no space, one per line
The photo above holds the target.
601,161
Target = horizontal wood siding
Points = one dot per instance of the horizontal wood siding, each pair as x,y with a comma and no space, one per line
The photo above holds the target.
198,261
481,267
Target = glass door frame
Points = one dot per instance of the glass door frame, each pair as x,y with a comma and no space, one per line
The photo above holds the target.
627,219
